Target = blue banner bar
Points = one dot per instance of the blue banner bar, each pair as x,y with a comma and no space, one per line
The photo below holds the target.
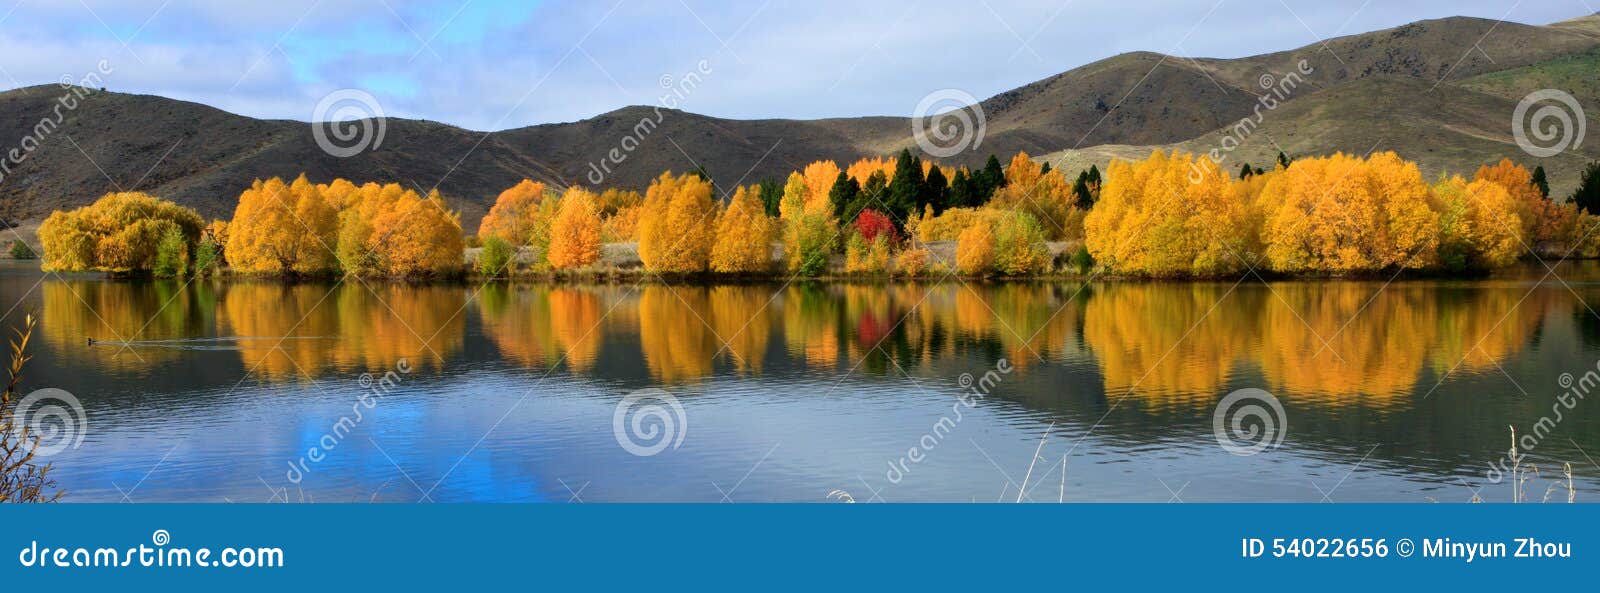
818,547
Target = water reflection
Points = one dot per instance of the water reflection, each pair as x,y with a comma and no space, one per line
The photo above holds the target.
1434,369
1167,344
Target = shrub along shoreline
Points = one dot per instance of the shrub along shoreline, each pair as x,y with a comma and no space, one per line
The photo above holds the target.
1169,216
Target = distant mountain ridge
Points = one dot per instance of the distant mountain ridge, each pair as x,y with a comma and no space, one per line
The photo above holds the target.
1440,92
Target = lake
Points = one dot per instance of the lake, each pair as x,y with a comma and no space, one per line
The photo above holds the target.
358,391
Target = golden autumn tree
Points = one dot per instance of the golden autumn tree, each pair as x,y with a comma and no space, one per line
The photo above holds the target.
575,233
417,236
1346,214
819,178
809,229
864,168
622,227
1172,215
744,235
359,208
975,251
1479,226
1047,196
283,228
514,212
1542,218
1019,245
676,226
118,233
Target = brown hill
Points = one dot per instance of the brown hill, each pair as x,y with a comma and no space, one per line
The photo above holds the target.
1438,91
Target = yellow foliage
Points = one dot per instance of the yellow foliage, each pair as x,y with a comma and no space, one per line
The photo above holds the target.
866,257
975,250
1047,197
283,228
808,233
614,200
947,226
1479,226
911,262
819,177
417,237
512,217
1345,214
1172,215
622,227
117,233
744,235
1019,248
1542,218
864,168
676,227
575,233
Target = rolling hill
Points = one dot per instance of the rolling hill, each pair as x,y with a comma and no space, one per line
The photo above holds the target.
1440,92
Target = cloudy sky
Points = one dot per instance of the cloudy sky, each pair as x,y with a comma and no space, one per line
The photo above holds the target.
496,64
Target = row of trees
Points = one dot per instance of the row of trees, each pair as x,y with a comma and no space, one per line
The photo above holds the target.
280,228
868,211
1174,215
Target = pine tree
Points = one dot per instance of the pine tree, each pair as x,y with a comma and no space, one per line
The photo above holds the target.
936,191
845,190
1081,193
1283,160
1588,195
991,178
1087,187
961,194
1540,182
1045,169
1245,172
905,190
771,196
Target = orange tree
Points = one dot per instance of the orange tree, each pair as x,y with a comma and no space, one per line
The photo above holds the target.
512,216
744,235
675,227
1346,214
415,236
283,228
575,233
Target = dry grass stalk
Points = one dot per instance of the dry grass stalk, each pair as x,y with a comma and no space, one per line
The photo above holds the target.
21,478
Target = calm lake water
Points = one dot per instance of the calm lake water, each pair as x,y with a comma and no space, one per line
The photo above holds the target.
1398,392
